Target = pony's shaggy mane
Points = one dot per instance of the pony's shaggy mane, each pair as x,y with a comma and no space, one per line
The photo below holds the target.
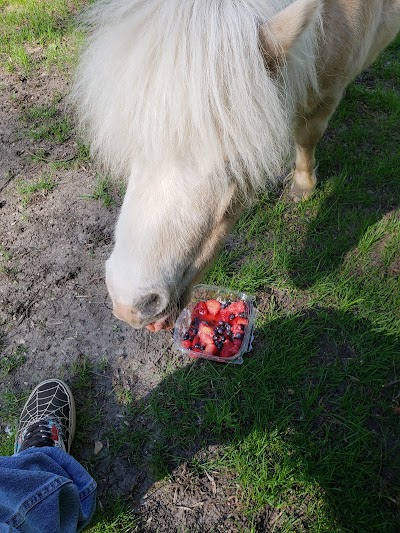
183,82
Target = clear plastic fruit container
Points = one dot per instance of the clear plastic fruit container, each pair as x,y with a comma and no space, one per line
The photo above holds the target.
204,293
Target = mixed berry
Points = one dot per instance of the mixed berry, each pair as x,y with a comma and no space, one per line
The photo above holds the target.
216,328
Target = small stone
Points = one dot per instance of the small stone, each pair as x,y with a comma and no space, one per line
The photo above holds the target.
98,446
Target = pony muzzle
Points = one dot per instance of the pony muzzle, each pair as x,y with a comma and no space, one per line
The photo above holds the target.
146,310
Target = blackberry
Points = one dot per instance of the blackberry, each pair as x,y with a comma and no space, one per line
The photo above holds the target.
186,336
242,315
238,336
231,317
198,346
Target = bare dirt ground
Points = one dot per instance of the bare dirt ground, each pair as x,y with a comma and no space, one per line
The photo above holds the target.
54,309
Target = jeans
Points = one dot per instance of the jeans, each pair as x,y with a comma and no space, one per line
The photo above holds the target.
44,490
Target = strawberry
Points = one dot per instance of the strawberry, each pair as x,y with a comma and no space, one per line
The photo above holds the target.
224,314
237,308
205,328
200,310
239,321
206,334
187,344
213,307
229,349
196,341
232,311
211,349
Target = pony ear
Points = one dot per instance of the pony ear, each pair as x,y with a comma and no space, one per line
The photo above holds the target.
281,33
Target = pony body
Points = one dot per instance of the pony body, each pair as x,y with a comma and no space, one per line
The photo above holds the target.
198,105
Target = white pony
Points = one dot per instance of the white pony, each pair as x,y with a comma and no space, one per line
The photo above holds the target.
197,104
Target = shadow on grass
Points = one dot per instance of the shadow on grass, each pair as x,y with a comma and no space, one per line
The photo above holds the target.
308,422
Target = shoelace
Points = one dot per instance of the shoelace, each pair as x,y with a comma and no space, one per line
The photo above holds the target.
38,434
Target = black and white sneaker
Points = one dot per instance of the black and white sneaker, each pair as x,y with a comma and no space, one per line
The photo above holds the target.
48,417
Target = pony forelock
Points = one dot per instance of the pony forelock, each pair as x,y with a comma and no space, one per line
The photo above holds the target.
183,82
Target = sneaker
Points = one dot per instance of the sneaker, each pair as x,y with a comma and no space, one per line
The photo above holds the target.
48,417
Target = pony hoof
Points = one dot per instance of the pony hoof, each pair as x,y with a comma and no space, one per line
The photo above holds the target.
302,187
298,194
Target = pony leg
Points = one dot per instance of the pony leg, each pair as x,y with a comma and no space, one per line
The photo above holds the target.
309,130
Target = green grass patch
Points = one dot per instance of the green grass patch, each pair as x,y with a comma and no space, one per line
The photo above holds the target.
10,407
80,157
30,189
103,191
47,123
5,263
35,33
114,518
8,363
306,423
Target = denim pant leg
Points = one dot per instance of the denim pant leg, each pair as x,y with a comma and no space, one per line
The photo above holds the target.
45,490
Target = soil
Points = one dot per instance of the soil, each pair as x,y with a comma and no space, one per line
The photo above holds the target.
54,309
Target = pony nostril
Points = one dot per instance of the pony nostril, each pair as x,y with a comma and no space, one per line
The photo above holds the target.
151,305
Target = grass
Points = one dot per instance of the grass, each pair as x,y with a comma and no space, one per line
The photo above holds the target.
6,267
47,123
308,426
10,406
103,191
8,363
34,33
117,518
28,189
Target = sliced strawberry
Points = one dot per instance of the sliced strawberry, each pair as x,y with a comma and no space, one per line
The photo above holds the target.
200,310
205,328
236,330
196,340
213,307
198,350
206,334
224,314
186,344
211,349
237,307
239,321
229,349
